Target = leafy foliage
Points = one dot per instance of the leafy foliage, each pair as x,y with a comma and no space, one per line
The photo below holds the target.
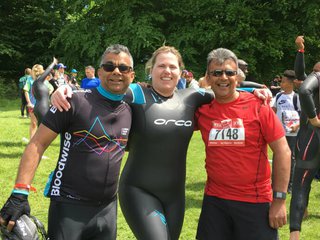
77,31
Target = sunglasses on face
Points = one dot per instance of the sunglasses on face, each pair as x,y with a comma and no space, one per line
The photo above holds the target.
109,67
219,73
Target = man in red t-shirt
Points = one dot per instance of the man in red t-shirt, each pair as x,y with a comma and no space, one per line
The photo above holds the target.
236,128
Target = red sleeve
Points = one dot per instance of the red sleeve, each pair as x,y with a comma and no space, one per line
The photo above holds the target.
271,127
196,118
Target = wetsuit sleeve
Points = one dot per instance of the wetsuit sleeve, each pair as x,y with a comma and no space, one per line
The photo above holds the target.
135,94
299,66
307,91
46,72
248,84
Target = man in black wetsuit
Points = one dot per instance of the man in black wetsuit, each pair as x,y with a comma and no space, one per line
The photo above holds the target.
94,133
307,152
308,141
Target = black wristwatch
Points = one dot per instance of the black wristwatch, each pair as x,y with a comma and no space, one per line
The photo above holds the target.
279,195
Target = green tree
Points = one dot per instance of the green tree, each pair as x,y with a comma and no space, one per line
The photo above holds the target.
77,31
28,28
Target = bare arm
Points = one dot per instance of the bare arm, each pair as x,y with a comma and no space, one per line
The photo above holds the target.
33,153
27,168
26,94
315,121
280,179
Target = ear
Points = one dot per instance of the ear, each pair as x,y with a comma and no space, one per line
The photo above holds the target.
100,72
206,76
132,76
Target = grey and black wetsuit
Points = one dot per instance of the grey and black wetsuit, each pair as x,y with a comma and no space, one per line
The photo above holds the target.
152,184
41,94
307,150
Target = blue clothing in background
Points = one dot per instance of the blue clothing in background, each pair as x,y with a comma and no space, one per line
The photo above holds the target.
88,83
182,83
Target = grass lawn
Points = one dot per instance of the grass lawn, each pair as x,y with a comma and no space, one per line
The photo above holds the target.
14,129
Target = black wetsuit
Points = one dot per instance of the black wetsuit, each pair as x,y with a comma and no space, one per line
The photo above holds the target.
152,184
94,135
307,150
248,84
41,93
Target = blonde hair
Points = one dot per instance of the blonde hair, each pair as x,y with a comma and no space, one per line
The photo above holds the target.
36,71
165,49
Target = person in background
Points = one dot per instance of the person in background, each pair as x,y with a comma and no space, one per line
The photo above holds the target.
94,134
287,107
244,66
54,80
22,82
275,85
182,83
191,82
307,152
308,141
90,81
62,78
203,83
73,79
237,128
42,89
36,70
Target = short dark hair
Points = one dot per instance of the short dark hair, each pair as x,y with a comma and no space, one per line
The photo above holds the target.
220,55
117,49
290,74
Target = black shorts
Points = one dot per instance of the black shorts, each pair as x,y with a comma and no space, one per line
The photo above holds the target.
222,219
68,221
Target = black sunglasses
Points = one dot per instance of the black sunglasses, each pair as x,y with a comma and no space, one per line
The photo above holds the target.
108,67
219,73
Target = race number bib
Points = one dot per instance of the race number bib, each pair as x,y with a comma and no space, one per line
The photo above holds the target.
228,132
289,118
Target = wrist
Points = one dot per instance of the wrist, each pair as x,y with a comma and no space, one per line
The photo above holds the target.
279,195
23,186
20,193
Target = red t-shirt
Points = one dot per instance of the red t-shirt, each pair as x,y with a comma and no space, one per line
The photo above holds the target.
236,136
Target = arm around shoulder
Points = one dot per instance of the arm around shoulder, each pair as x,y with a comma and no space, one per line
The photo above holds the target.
59,98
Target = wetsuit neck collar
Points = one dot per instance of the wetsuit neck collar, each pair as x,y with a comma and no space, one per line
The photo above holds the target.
160,94
109,95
